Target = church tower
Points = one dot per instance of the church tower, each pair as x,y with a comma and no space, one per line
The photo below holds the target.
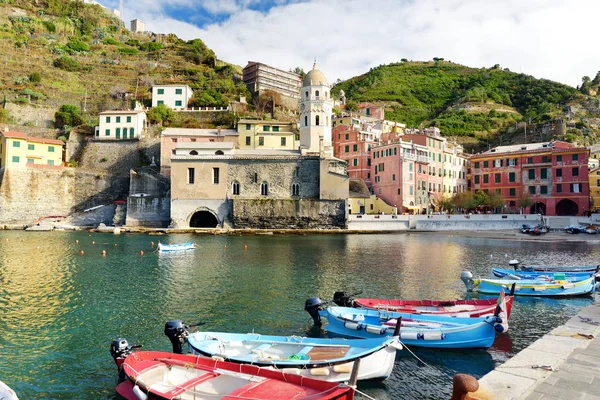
316,107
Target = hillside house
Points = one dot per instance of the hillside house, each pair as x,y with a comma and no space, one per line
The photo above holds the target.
121,125
172,96
17,150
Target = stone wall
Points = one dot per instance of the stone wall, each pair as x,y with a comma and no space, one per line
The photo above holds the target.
27,194
117,157
148,211
288,214
39,116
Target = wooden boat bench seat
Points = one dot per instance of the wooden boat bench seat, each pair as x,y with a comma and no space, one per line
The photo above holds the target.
322,353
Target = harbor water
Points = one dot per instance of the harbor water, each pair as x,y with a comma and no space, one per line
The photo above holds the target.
59,309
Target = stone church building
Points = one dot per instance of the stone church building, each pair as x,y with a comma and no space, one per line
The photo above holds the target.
216,184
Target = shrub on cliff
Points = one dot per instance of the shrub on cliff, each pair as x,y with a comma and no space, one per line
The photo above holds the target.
67,64
67,115
161,114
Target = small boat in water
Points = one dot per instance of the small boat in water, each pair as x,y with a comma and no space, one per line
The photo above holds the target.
530,287
164,248
162,375
451,308
7,393
499,273
322,358
591,269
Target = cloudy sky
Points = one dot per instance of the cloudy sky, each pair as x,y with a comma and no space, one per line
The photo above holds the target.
554,39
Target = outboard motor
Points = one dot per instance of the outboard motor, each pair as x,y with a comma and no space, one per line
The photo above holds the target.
342,300
177,332
313,305
514,264
467,278
119,350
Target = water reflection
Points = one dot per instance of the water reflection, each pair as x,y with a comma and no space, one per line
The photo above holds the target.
60,310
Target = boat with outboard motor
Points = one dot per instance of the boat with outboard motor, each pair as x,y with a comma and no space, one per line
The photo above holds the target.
451,308
166,248
163,375
323,358
531,287
439,331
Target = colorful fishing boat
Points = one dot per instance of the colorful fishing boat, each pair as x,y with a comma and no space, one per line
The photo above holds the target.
323,358
516,265
499,273
7,393
451,308
162,375
530,287
164,248
436,331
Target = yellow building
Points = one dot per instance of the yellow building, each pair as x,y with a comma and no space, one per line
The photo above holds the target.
257,134
361,201
594,177
19,150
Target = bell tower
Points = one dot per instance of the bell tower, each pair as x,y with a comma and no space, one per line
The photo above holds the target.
316,107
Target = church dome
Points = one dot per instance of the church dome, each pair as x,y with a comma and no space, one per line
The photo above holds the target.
315,77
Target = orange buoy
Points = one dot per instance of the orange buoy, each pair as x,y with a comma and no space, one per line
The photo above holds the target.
81,252
77,241
115,245
93,242
224,246
103,253
151,244
141,252
245,247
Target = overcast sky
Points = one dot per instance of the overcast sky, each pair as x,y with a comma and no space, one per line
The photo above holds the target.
554,39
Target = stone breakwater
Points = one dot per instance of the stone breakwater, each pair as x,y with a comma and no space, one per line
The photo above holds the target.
563,364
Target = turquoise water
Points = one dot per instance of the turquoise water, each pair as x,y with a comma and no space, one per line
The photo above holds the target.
59,310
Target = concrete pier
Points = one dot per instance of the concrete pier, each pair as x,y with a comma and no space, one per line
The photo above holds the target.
563,364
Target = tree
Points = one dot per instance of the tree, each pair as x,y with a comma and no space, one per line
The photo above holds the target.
496,202
351,106
481,198
596,80
464,201
299,71
118,92
525,201
161,114
67,115
586,85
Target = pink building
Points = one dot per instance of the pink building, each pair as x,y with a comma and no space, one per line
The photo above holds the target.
171,136
354,147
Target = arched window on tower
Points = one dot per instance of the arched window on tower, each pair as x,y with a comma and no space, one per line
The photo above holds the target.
326,121
193,153
326,95
317,94
305,120
264,189
306,94
236,187
295,189
317,120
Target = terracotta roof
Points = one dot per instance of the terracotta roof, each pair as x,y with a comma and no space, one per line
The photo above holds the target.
21,135
121,112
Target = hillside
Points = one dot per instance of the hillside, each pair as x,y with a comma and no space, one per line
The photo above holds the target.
57,52
482,107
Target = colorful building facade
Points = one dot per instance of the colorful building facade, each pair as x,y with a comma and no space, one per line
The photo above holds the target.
553,174
18,150
259,134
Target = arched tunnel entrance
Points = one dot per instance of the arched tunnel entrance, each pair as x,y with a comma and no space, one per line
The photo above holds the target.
203,219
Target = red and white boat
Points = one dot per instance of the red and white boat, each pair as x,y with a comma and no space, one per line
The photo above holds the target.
452,308
162,375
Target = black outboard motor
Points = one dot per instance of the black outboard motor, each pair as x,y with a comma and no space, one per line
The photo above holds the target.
119,350
313,305
177,332
342,300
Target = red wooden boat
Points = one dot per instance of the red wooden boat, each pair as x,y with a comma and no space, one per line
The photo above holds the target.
453,308
162,375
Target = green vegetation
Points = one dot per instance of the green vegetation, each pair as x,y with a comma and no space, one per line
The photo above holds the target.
161,114
67,116
442,93
67,64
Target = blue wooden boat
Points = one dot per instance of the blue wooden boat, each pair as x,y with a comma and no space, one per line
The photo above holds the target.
515,264
163,248
499,273
329,359
530,287
416,329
